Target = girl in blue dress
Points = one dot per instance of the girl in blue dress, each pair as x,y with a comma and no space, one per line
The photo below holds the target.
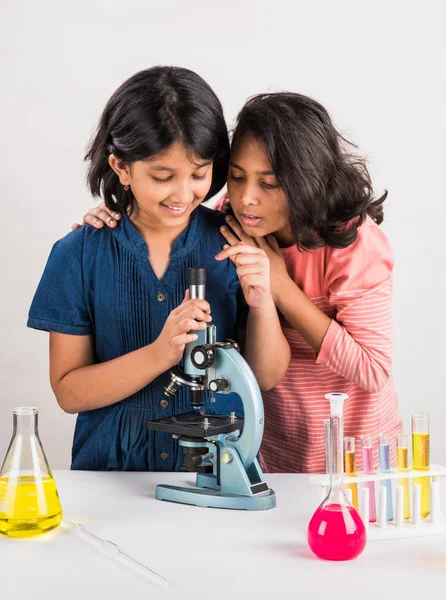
114,300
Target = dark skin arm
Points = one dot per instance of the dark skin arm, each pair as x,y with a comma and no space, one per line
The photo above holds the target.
298,310
266,348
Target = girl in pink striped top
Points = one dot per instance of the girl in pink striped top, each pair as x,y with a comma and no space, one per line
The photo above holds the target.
300,195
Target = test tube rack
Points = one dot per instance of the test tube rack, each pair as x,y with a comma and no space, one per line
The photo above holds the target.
398,528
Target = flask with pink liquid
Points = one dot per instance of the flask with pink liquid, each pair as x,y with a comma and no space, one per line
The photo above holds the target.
336,531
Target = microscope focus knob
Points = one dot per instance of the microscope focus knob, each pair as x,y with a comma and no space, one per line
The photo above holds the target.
202,357
192,461
222,384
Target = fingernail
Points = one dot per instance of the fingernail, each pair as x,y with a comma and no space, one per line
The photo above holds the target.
111,222
117,216
228,218
217,256
223,228
225,246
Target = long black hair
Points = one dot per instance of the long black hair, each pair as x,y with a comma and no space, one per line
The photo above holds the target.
147,114
328,188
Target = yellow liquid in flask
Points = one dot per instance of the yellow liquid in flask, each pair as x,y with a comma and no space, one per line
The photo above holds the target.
28,507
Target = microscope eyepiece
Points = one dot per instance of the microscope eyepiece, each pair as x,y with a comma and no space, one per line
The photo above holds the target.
197,283
197,276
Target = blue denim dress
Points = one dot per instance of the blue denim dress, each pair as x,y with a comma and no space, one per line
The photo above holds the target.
100,282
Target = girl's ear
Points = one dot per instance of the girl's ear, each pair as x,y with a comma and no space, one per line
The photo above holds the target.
121,169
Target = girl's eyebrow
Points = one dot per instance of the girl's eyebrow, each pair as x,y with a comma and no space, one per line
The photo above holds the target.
171,170
232,164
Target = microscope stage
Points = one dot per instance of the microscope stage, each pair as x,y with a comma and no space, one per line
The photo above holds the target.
192,424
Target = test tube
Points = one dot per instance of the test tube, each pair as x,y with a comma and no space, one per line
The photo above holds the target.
367,468
350,467
327,444
384,467
403,467
324,489
421,458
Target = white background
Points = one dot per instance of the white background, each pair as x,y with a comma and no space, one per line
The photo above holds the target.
379,67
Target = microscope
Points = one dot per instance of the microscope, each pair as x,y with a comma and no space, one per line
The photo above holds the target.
221,449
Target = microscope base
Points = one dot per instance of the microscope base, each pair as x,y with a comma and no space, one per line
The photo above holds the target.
215,499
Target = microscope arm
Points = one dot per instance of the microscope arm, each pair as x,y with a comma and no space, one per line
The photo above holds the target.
230,364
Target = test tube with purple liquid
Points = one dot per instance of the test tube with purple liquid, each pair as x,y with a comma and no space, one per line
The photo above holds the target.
384,466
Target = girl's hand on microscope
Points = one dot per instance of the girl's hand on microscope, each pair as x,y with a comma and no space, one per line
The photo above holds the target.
178,330
269,246
98,216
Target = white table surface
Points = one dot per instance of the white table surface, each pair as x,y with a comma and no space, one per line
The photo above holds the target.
206,552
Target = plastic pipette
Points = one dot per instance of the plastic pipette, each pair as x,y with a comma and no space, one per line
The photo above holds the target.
112,550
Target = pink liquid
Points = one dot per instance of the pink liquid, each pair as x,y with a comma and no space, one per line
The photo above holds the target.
367,460
336,532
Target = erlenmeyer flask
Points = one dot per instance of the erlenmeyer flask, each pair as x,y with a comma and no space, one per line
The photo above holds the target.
29,502
336,531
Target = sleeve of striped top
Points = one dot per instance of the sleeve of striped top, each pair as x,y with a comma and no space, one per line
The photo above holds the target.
358,284
221,202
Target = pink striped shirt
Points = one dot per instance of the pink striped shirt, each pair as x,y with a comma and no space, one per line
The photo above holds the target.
353,286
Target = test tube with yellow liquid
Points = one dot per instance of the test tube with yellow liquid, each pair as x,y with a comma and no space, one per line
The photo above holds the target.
350,467
421,458
403,466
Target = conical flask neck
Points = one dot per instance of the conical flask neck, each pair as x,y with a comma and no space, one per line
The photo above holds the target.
25,420
25,456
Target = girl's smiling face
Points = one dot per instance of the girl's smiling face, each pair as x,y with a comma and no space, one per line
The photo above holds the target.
166,187
257,200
